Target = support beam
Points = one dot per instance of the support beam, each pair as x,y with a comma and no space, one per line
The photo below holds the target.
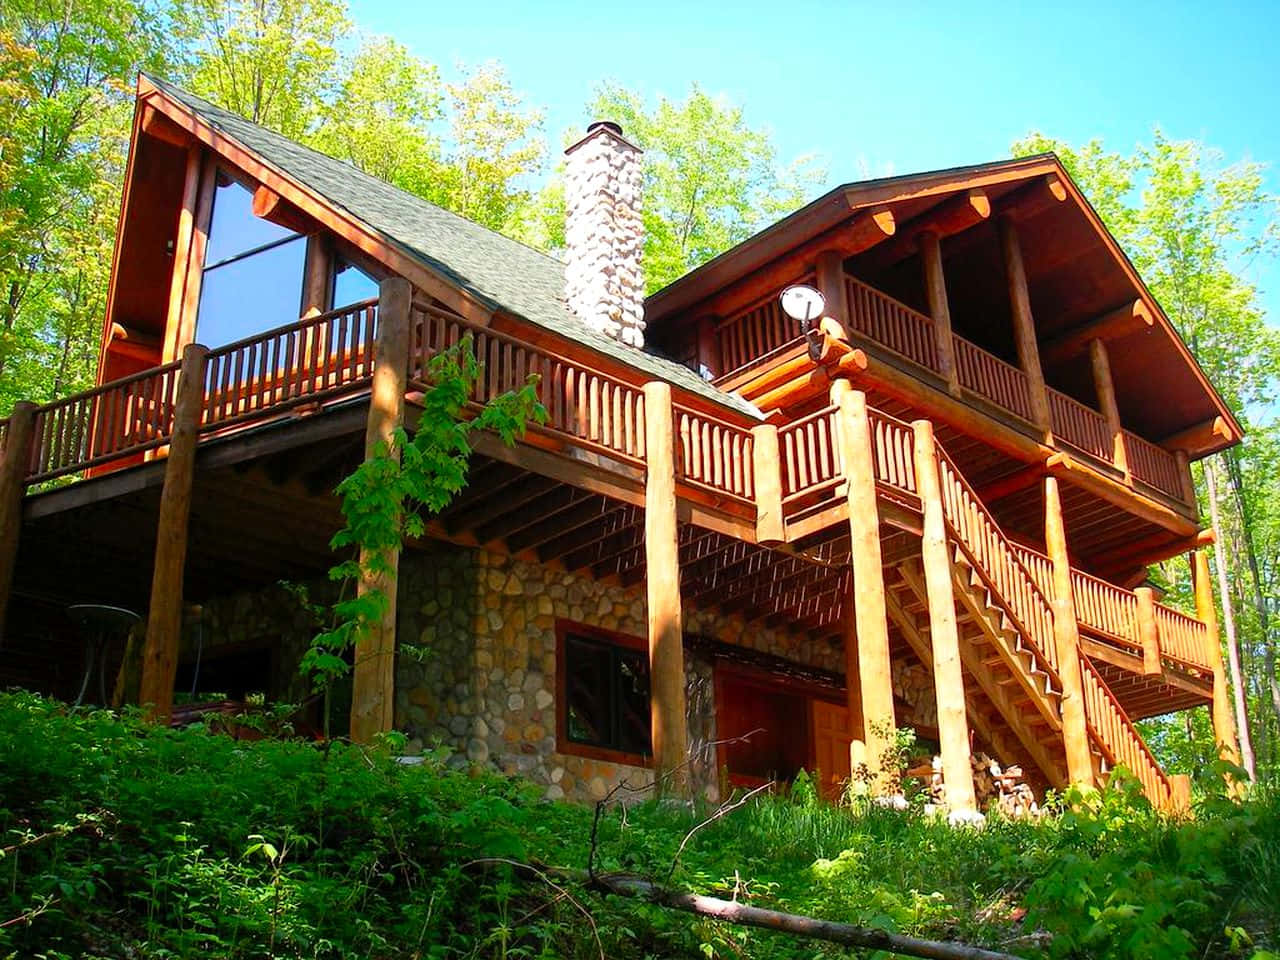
1024,324
1203,438
1106,390
1131,317
373,676
935,285
867,643
954,215
1148,631
180,327
766,461
829,276
1224,724
164,618
1038,196
1185,478
317,279
944,633
1066,637
662,567
14,463
182,253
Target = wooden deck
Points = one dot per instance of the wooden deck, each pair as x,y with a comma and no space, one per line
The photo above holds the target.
573,492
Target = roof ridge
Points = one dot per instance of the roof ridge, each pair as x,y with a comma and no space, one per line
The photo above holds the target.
206,104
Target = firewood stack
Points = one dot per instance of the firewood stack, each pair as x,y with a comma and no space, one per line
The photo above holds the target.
997,788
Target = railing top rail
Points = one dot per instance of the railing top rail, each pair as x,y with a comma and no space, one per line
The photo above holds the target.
808,418
291,327
108,386
772,296
711,418
986,354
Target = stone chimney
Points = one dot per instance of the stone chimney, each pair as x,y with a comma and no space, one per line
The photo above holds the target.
603,234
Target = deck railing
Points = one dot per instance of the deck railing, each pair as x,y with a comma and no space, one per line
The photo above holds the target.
755,331
584,405
112,421
1183,638
1081,426
893,451
1153,465
991,378
713,453
810,456
892,324
1118,740
996,558
301,362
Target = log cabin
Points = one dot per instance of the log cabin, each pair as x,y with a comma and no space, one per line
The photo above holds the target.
743,544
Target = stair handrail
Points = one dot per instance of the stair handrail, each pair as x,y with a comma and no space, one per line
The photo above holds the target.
1114,736
1017,590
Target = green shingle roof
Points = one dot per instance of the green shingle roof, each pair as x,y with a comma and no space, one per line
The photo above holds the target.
498,271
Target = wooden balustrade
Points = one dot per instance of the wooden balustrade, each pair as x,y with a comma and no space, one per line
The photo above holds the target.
304,361
892,443
988,376
1182,638
1118,740
1153,465
810,455
996,560
756,331
1081,426
111,421
583,404
892,324
713,453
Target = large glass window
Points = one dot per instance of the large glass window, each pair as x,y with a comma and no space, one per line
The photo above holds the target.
351,284
605,693
253,270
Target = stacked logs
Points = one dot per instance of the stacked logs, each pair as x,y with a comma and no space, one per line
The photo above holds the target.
1002,789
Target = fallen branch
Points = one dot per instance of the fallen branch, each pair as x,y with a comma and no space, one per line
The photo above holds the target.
846,934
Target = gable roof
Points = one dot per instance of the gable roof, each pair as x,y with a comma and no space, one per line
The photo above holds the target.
498,272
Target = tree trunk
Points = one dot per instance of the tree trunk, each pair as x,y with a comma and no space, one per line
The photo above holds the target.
1229,623
1259,596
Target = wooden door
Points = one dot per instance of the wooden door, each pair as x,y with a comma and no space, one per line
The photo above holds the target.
831,738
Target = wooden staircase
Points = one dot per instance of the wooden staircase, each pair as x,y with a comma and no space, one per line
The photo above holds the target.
1013,691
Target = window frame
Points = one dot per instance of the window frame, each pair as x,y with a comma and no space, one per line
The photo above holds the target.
611,638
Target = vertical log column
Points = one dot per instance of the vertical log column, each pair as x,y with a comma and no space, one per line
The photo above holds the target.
182,253
1024,325
373,677
1224,724
766,463
710,363
935,285
1106,390
1148,631
948,676
1066,637
868,672
14,463
164,618
662,577
829,274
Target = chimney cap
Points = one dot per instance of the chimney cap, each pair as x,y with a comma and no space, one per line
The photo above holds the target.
599,127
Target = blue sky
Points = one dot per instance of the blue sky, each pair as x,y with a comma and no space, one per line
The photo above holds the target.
877,89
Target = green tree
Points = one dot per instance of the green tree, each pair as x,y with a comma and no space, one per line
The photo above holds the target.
710,180
272,61
67,70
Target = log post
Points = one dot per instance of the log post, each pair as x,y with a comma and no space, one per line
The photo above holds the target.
767,470
182,252
668,724
944,634
164,617
1185,478
15,463
317,280
710,362
373,676
935,285
1105,387
829,277
1066,637
1224,724
1024,324
869,673
1148,631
